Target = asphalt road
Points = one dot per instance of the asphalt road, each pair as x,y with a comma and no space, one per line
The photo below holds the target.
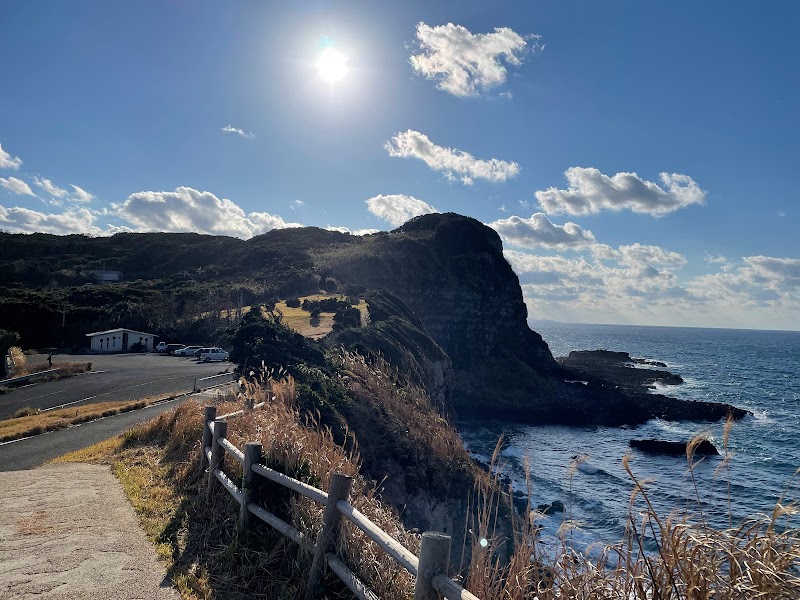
114,377
31,452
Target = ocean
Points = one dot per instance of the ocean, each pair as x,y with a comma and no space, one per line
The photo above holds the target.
756,370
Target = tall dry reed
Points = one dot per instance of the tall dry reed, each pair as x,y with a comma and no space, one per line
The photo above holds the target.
758,558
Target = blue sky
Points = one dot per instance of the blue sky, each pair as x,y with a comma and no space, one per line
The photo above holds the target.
636,158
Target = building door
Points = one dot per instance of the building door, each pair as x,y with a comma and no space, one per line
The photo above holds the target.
124,340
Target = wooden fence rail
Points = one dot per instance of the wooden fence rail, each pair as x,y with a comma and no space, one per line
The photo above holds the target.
429,569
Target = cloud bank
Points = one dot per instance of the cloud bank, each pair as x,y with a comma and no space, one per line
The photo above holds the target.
187,209
396,209
590,191
463,63
16,186
23,220
454,164
540,231
9,162
49,187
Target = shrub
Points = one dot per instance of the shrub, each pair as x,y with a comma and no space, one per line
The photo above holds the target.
25,411
347,317
293,302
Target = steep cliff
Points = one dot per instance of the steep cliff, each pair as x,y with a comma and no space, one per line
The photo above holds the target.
451,272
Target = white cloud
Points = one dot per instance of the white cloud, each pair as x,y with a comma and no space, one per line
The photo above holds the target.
786,271
80,194
464,63
455,164
9,162
296,204
248,135
540,231
187,209
590,191
49,187
757,281
639,254
398,208
641,284
351,231
16,186
22,220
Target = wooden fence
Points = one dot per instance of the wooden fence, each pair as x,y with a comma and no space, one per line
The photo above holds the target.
429,569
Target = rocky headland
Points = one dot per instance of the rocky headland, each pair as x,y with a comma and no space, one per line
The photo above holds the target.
450,271
445,308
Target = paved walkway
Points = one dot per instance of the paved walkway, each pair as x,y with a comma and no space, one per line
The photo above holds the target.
67,532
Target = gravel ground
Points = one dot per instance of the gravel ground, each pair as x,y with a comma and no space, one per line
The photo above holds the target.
67,532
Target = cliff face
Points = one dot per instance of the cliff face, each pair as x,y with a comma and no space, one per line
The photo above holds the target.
451,272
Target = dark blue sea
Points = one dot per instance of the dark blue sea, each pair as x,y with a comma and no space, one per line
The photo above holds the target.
756,370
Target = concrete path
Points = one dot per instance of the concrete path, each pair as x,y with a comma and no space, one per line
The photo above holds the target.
67,532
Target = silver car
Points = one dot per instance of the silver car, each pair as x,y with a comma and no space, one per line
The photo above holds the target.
209,354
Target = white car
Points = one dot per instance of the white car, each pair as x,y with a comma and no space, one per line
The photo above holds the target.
209,354
187,351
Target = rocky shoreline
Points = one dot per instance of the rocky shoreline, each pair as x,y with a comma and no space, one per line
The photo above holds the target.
625,389
618,368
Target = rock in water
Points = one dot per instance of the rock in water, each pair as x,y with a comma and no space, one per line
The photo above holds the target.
704,448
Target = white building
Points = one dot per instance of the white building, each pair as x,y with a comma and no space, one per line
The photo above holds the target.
120,340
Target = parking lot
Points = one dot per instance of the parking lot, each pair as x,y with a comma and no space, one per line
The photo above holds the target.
113,377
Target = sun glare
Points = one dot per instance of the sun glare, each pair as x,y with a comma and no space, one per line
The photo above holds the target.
332,65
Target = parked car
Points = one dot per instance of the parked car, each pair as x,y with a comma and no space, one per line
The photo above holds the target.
209,354
170,348
187,350
161,346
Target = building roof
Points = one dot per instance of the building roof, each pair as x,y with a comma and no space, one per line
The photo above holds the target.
119,330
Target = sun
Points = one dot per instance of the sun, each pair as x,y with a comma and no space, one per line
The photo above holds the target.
332,65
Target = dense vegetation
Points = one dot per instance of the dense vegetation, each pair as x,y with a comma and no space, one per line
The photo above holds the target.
175,285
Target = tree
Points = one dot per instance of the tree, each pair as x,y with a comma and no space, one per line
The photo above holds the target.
7,339
346,317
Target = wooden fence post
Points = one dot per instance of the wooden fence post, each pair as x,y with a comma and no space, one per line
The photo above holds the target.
250,484
434,558
217,455
329,536
209,415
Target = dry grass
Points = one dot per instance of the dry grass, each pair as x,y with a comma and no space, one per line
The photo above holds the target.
400,429
158,463
759,558
28,421
297,445
68,369
158,466
299,320
18,360
99,453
